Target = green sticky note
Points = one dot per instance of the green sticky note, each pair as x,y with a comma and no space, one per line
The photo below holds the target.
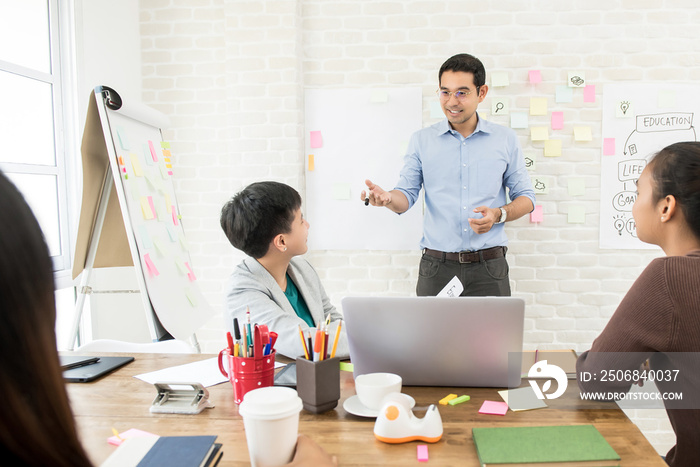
459,400
577,215
347,366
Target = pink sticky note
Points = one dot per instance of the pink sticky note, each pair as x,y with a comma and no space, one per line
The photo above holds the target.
494,408
153,151
153,207
132,433
316,139
557,120
190,274
608,146
422,452
589,93
149,264
174,216
535,76
537,215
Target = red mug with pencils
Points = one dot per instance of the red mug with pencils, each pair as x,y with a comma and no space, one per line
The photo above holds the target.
251,367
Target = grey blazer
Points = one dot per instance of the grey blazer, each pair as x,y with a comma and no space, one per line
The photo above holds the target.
252,286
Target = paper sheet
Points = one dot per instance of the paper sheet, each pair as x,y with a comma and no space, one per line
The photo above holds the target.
522,399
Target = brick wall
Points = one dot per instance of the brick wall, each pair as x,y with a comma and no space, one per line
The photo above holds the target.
231,75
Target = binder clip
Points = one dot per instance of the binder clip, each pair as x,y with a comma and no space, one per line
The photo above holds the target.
184,398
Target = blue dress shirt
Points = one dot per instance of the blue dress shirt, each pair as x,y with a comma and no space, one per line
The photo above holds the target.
460,174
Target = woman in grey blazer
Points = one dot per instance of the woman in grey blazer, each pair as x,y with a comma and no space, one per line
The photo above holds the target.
279,288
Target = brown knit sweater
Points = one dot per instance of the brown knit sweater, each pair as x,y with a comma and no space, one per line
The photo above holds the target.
660,313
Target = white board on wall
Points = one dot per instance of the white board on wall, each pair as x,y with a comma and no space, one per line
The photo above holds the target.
353,135
638,121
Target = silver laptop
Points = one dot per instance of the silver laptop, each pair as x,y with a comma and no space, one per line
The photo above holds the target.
437,341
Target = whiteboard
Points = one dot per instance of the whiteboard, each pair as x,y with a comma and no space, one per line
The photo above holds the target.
638,121
353,135
142,166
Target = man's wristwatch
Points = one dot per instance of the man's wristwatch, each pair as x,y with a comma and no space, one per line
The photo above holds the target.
503,216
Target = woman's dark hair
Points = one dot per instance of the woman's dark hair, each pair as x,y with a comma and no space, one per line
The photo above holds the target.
36,422
465,63
257,214
675,170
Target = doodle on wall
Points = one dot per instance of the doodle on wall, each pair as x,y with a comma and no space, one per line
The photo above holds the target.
640,126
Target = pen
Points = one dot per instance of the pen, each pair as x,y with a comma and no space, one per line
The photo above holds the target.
317,345
235,349
229,339
335,340
245,343
325,345
303,344
250,334
367,201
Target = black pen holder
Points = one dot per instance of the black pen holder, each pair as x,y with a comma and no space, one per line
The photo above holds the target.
318,384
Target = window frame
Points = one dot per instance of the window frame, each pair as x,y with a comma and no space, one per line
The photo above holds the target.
61,78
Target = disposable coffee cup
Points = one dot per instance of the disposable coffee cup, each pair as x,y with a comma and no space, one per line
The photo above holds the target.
271,421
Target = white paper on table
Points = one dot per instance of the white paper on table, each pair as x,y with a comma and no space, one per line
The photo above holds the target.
452,289
206,372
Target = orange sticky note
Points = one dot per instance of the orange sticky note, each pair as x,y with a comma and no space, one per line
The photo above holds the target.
311,162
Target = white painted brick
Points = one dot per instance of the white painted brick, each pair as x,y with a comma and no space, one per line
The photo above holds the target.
220,68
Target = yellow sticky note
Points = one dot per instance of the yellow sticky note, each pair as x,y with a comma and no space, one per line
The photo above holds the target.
378,96
168,204
447,399
181,265
183,242
160,246
136,165
499,79
539,133
165,144
311,162
577,186
538,106
190,296
146,208
582,133
341,191
552,148
577,215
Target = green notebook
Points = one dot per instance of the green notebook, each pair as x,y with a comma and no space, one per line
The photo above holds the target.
547,445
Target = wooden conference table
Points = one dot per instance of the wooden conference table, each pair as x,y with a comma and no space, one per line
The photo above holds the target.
122,402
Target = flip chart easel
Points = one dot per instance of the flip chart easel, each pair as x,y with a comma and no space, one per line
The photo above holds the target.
129,216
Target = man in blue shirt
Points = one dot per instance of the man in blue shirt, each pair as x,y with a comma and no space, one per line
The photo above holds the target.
464,164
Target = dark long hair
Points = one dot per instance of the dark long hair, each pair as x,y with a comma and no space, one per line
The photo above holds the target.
36,422
675,170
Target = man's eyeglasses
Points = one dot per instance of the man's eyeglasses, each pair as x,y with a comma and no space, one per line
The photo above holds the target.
460,95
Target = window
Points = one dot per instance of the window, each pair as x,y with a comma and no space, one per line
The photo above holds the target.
32,115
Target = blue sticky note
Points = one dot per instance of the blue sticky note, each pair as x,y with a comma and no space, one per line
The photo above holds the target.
145,237
565,94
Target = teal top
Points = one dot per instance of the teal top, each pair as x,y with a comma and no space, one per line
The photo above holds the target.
298,303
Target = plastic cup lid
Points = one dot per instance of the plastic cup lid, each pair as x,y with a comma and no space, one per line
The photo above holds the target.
270,403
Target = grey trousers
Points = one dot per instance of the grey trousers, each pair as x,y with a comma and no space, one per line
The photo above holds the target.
487,278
